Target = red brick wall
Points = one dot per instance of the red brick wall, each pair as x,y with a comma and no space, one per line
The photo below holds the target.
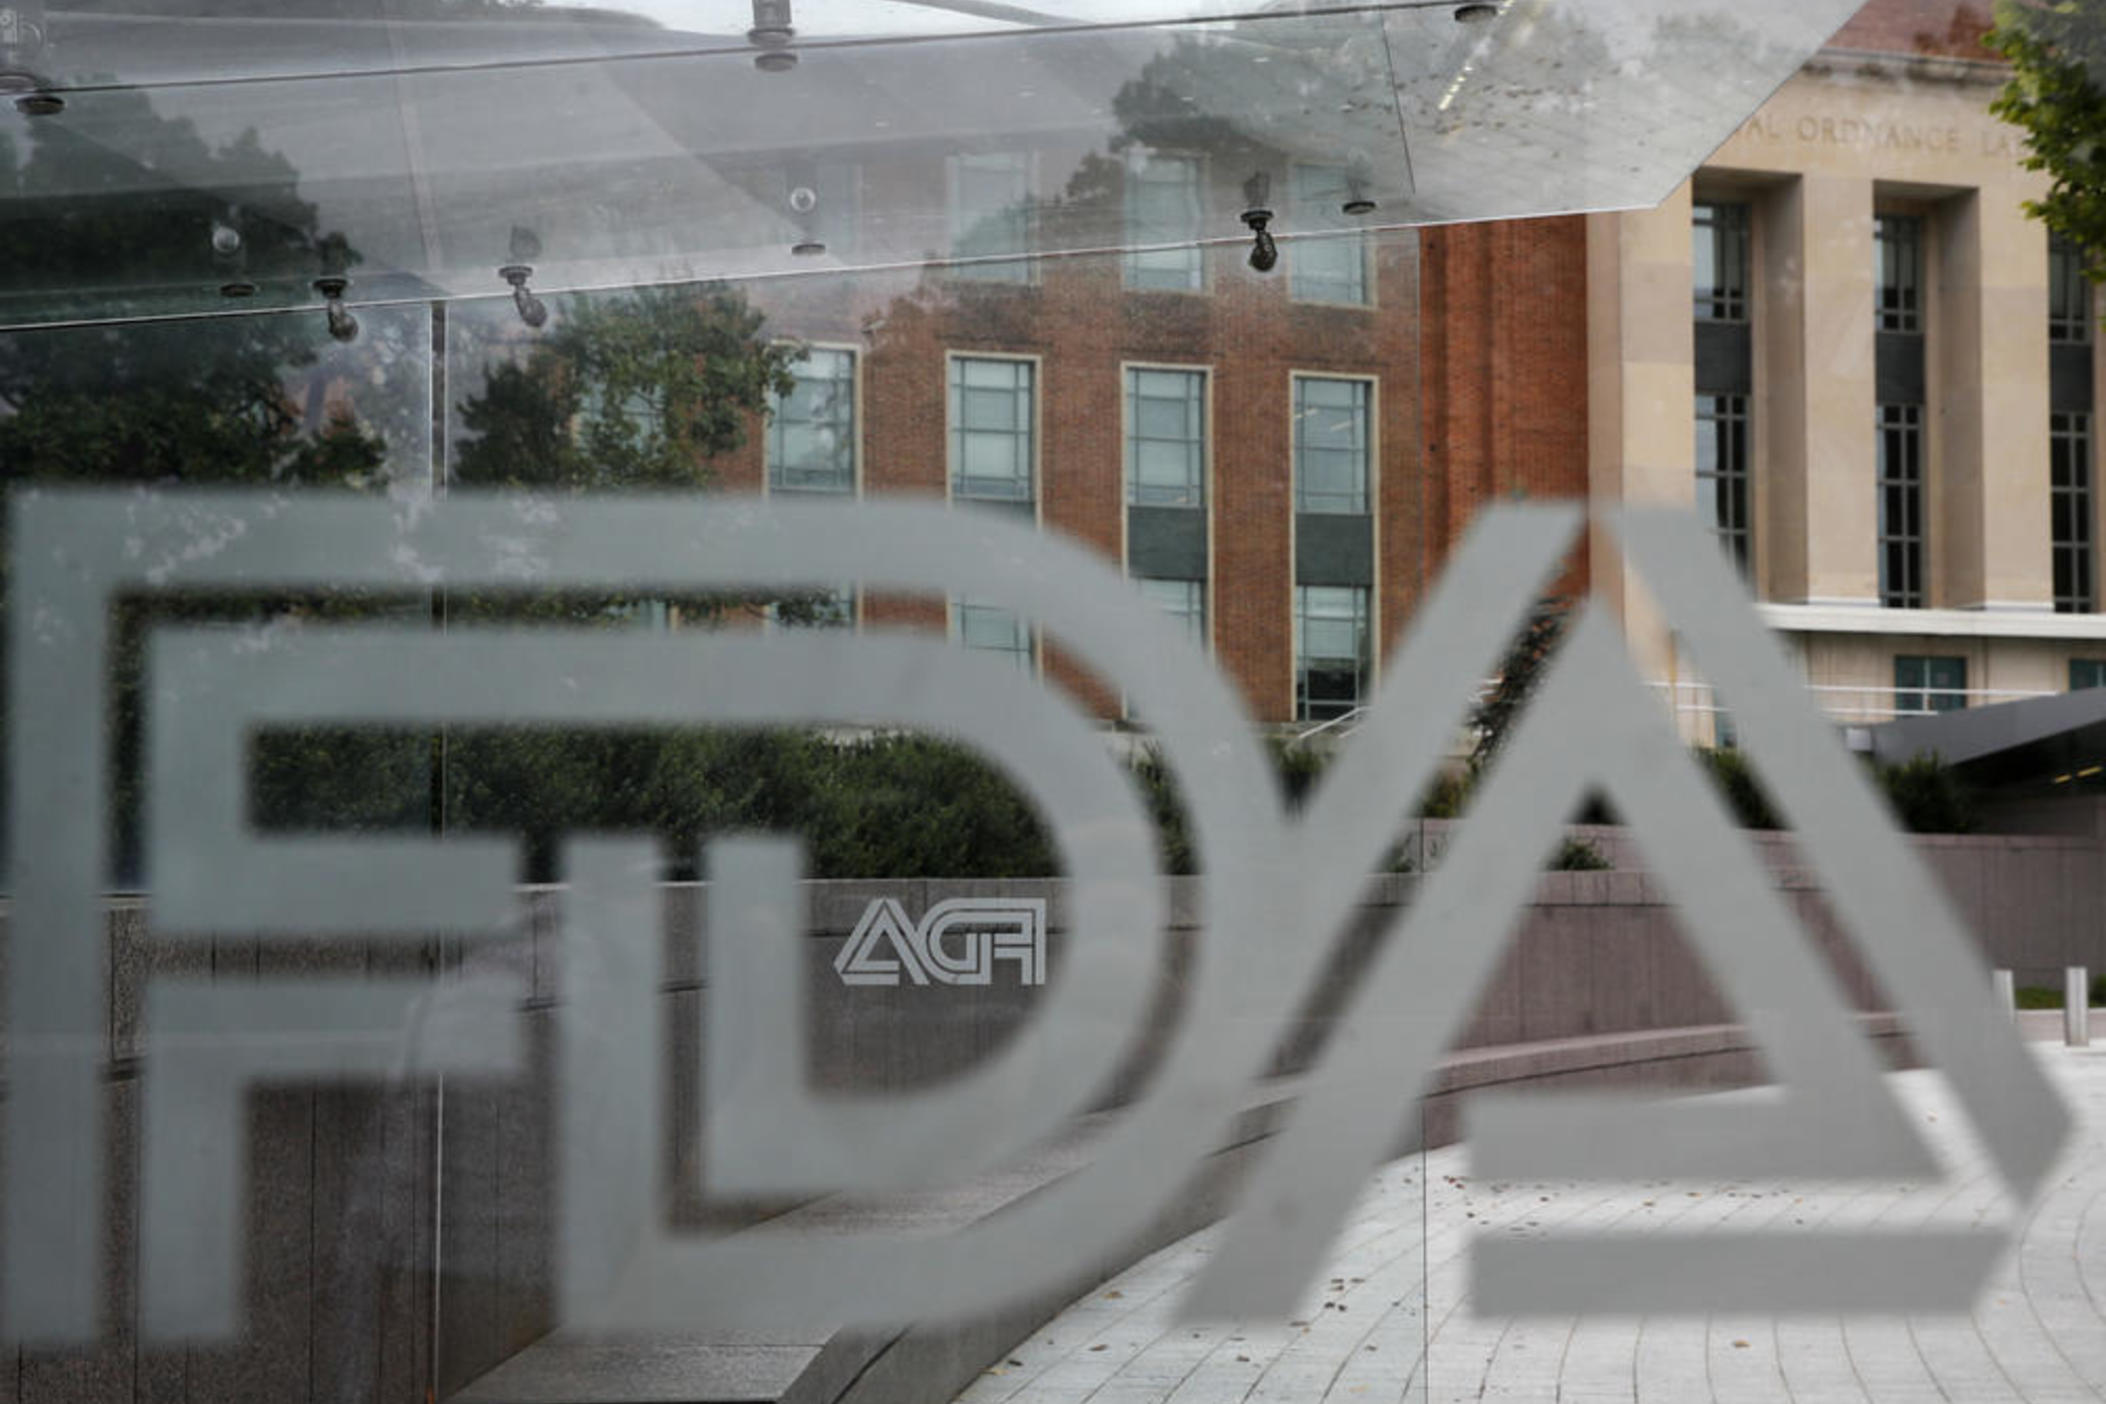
1944,28
1505,395
1496,315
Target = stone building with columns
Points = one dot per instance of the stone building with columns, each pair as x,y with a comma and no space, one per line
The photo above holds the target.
1845,343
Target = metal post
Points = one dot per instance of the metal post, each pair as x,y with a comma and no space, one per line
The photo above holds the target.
2006,993
2076,1007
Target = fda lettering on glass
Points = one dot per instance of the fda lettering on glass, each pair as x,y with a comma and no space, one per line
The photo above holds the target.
1274,892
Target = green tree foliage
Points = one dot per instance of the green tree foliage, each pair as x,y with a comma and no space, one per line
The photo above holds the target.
114,207
1737,783
2057,52
639,390
1927,795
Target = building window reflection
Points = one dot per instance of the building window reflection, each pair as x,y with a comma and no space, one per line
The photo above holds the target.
812,430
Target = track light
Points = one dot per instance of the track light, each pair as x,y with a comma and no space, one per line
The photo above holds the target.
771,33
1264,253
342,325
532,310
30,93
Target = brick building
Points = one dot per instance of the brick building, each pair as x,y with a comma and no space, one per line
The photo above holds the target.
1286,459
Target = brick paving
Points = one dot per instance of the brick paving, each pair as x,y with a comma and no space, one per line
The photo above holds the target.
1389,1320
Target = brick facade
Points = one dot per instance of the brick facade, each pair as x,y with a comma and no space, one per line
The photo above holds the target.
1500,339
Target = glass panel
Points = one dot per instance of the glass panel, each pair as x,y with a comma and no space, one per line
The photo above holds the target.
1719,261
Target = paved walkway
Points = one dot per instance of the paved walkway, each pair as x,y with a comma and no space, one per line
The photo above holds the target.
1389,1321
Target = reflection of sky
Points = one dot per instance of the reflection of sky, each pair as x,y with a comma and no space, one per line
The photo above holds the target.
819,18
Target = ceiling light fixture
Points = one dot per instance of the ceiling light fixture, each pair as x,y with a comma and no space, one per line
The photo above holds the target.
342,325
1264,253
772,33
30,92
1475,13
532,310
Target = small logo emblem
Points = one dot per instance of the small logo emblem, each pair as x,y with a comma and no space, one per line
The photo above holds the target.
957,943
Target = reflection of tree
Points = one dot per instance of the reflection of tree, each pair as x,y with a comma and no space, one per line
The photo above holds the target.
641,390
99,212
157,401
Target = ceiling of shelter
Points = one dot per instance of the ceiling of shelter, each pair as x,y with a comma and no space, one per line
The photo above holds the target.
155,153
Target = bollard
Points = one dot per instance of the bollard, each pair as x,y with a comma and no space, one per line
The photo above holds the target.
2076,1007
2005,991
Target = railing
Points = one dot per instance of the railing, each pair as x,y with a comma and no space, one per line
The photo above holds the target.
1864,705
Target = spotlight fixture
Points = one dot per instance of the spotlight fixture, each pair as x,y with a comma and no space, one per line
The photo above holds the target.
1475,13
532,310
1264,253
238,288
342,325
771,33
30,93
807,248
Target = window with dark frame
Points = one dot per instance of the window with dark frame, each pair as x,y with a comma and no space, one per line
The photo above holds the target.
1901,506
992,427
1929,683
1719,261
2086,673
1331,650
1897,241
1722,472
2069,293
1332,435
1901,374
2069,487
1166,444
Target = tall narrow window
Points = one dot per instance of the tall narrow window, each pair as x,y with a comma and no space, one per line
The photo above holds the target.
812,431
1719,261
1929,684
1163,207
1166,447
990,214
1331,653
1901,506
1332,268
1183,600
2070,403
991,629
1332,433
1901,380
2069,486
2069,293
1898,244
1722,471
991,428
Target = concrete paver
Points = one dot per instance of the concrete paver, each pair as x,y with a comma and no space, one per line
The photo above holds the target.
1390,1318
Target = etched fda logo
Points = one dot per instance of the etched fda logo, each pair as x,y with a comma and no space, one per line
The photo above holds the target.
957,942
1276,889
